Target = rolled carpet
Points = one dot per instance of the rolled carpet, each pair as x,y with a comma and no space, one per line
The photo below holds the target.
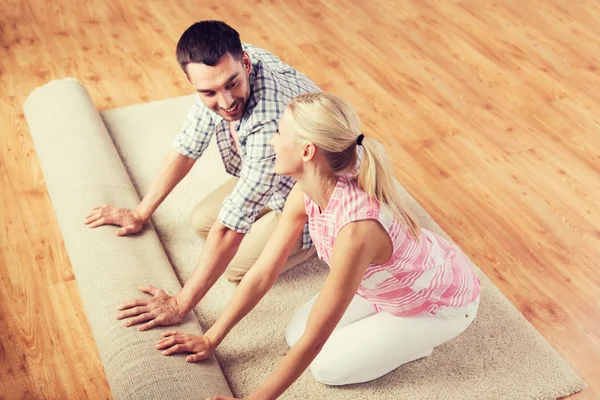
82,169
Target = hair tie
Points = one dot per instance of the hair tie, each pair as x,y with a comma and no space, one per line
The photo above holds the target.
360,139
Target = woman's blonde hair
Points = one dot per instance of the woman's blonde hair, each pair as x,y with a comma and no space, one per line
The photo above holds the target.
334,126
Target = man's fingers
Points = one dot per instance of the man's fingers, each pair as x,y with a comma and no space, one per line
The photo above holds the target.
95,211
92,217
134,303
170,333
124,231
149,325
92,213
133,312
127,230
99,222
149,289
140,318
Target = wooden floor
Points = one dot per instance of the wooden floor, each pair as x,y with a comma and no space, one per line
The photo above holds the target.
489,108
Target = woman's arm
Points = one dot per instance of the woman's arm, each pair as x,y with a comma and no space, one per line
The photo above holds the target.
357,245
255,284
263,274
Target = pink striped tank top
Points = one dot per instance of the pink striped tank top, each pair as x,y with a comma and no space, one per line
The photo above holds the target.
420,276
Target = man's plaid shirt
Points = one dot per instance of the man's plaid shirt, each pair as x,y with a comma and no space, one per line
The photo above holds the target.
272,85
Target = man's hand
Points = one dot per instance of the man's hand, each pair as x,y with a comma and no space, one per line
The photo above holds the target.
130,221
161,310
178,342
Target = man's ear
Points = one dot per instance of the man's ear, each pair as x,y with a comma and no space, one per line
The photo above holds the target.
246,62
309,151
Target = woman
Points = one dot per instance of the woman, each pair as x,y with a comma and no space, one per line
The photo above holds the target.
394,291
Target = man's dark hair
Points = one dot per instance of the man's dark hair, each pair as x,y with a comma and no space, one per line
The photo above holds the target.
206,42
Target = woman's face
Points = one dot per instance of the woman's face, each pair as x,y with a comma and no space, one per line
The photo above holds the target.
289,153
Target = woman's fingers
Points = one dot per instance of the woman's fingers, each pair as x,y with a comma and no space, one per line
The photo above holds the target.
177,348
176,337
163,344
177,342
164,341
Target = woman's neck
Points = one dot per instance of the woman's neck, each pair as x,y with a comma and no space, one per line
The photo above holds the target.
317,187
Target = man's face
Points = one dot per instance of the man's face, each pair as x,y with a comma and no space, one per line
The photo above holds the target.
224,88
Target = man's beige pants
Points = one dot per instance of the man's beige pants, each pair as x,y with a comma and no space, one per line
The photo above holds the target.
205,214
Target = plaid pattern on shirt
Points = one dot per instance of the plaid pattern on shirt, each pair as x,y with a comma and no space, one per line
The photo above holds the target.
272,85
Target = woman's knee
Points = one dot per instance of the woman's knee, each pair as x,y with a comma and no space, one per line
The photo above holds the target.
328,373
297,325
294,332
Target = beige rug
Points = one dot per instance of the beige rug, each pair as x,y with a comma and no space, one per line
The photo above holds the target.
501,356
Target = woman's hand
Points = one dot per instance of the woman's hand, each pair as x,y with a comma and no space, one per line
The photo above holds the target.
179,342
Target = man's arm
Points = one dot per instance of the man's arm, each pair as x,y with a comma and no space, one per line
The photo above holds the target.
254,188
174,168
219,249
251,193
189,144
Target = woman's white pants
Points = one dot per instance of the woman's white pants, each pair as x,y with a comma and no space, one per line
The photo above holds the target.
366,345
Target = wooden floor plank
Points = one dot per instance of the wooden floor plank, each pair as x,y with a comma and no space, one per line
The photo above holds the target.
489,110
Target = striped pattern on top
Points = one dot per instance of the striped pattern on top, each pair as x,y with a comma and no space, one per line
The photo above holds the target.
420,276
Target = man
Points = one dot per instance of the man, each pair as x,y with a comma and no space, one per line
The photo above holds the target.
242,92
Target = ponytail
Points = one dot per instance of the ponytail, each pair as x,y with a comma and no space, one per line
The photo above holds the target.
376,180
332,125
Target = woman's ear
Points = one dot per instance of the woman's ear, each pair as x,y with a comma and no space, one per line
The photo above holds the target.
309,152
